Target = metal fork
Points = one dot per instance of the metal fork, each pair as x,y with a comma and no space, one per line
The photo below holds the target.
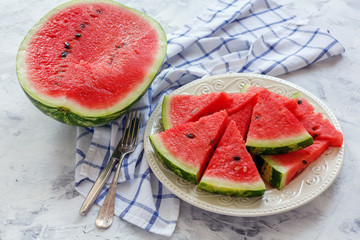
126,145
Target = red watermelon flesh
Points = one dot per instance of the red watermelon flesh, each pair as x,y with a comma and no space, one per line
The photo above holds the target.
289,103
179,109
319,127
186,149
71,54
231,170
238,100
243,115
280,169
274,129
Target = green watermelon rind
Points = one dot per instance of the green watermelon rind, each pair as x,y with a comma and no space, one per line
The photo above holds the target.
271,172
269,147
184,171
80,116
245,88
296,95
165,112
224,187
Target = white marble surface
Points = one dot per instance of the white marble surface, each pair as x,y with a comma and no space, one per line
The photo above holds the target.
37,154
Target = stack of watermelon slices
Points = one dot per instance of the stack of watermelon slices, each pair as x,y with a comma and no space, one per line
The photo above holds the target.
229,143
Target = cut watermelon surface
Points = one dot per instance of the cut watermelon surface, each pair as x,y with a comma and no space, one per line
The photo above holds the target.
243,116
279,170
87,62
179,109
289,103
231,170
187,148
239,100
319,127
274,129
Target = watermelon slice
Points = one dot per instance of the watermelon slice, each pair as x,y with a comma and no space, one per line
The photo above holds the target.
319,127
274,129
179,109
87,62
315,123
231,170
279,170
186,149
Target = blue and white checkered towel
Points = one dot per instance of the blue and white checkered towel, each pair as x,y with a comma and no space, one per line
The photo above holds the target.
232,36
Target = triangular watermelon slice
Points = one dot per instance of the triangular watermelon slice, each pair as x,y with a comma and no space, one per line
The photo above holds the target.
319,127
279,170
231,170
274,129
179,109
187,148
315,123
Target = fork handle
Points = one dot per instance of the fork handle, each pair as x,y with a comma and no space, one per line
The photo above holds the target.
98,186
106,214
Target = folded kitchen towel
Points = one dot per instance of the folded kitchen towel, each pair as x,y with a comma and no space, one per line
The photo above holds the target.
233,36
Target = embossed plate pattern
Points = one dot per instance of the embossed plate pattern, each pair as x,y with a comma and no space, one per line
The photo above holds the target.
305,187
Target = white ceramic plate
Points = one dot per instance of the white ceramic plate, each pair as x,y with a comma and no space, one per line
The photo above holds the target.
309,184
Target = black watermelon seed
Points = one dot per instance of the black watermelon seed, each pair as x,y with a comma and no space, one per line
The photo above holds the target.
315,135
237,158
99,11
212,141
257,117
83,25
299,101
189,135
64,54
78,35
304,161
67,45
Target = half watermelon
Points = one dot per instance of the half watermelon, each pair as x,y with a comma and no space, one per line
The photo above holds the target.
87,62
187,148
231,170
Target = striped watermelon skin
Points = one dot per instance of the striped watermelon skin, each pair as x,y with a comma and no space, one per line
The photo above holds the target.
72,80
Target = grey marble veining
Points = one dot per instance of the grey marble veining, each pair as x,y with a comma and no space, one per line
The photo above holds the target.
37,154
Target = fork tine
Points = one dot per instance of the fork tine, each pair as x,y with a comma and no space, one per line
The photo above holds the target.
122,141
137,129
128,129
133,124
